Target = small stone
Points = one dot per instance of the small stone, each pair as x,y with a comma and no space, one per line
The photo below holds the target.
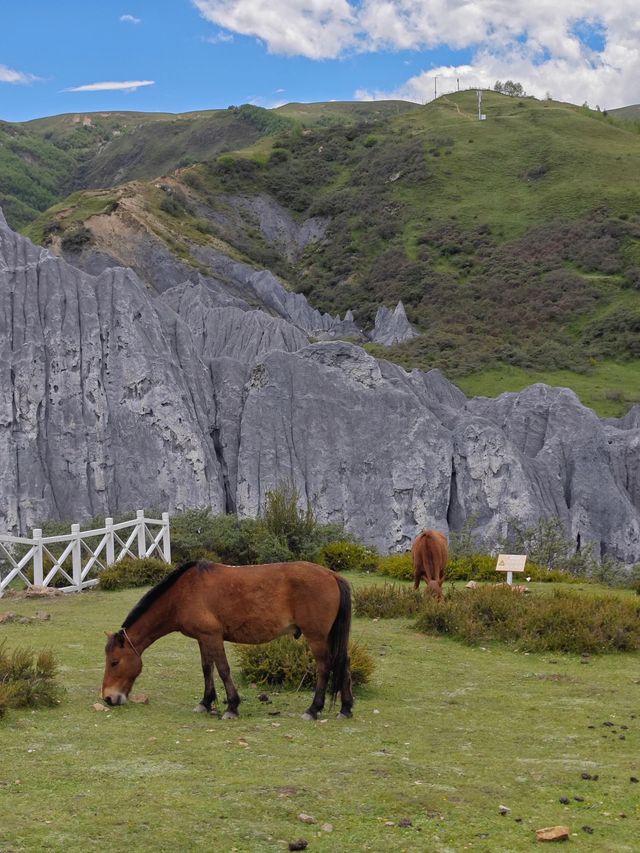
504,810
564,801
518,820
579,799
404,822
264,697
327,827
553,833
588,830
43,616
634,779
306,818
389,823
300,844
472,585
586,776
140,699
98,706
7,617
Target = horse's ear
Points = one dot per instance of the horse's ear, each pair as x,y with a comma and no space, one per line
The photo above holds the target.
108,634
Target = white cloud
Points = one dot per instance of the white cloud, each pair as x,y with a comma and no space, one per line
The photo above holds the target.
219,38
318,29
125,85
577,49
130,19
9,75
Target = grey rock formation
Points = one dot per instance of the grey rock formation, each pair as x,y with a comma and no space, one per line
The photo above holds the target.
278,226
392,327
114,397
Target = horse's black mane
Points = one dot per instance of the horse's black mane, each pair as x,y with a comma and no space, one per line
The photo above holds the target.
159,589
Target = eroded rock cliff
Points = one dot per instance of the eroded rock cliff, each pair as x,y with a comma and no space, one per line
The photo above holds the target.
112,397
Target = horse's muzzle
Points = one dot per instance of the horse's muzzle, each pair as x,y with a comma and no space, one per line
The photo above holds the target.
117,699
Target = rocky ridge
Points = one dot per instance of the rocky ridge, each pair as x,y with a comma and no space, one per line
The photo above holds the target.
114,397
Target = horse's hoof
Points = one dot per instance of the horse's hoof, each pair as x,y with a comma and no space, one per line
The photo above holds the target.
308,716
229,715
344,716
200,709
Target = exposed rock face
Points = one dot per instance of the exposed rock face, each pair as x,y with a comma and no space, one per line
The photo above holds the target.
392,327
112,397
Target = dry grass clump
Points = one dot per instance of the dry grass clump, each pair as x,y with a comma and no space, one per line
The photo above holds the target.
390,601
28,679
561,622
286,662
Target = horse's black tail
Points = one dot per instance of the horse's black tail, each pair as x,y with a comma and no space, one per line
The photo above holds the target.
339,640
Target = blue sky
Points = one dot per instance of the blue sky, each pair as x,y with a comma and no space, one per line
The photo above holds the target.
61,56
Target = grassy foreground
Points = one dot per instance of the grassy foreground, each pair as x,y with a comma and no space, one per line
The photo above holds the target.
442,737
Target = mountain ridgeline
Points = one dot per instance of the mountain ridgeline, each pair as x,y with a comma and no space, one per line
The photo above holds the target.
513,243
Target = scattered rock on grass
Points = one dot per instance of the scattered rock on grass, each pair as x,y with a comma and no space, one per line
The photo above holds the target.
300,844
553,833
140,699
98,706
306,818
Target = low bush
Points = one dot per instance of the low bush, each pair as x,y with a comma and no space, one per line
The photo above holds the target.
286,662
345,556
28,679
235,541
75,239
397,566
132,571
387,602
561,622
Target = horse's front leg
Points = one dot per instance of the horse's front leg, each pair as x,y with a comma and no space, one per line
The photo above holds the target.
222,665
208,700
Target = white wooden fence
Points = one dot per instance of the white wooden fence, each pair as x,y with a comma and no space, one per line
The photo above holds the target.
79,558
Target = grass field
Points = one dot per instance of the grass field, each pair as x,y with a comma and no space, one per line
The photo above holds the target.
609,389
442,737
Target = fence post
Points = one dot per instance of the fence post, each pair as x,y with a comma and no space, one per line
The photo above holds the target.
142,538
110,546
76,556
166,537
38,576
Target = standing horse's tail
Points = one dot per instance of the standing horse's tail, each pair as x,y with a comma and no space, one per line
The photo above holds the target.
339,640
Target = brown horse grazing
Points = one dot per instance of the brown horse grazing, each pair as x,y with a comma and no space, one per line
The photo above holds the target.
243,604
430,553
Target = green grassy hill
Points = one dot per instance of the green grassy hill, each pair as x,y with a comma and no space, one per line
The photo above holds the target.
513,242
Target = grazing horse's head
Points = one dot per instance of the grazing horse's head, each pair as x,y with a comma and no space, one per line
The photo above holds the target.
123,665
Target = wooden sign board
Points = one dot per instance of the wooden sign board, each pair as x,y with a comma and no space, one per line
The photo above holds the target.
511,562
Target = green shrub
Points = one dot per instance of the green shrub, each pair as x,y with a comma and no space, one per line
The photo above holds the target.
75,239
286,662
397,566
132,571
27,679
477,567
561,622
236,541
284,519
387,602
344,556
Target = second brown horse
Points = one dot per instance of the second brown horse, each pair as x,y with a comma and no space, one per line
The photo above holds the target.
430,553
